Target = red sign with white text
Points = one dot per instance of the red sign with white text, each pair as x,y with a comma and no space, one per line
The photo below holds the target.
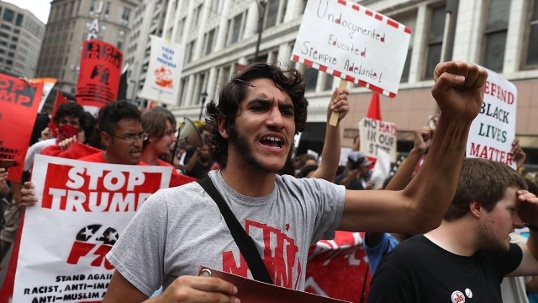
19,102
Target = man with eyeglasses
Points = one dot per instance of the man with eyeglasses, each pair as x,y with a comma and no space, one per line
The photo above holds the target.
121,133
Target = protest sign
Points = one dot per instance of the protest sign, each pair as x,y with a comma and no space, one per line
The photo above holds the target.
99,77
376,134
164,72
82,209
19,102
494,129
354,43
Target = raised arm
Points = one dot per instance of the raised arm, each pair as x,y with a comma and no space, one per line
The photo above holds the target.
330,155
458,91
422,140
421,143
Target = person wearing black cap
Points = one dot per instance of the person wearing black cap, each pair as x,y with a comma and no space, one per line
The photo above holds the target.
357,172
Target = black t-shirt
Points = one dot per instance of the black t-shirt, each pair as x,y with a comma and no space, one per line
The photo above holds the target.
418,271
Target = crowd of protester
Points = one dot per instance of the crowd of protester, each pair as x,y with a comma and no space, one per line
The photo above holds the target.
246,147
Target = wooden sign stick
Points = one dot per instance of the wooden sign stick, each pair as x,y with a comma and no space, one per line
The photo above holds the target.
334,115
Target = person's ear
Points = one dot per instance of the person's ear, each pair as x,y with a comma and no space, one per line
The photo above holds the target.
106,139
223,128
476,209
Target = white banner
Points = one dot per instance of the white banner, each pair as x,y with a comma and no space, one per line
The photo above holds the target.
354,43
82,209
163,77
494,129
375,135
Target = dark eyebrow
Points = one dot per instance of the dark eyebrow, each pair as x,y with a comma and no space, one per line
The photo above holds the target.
287,106
268,102
260,101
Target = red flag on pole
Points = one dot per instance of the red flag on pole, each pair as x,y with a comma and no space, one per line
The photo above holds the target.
374,111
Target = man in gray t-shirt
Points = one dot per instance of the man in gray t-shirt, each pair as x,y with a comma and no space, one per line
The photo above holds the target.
253,125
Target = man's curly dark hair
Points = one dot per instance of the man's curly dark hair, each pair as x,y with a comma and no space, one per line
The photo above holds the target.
289,81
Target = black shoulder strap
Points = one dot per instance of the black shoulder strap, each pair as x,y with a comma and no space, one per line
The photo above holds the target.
243,240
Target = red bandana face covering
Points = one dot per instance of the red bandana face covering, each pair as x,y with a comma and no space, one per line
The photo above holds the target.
65,132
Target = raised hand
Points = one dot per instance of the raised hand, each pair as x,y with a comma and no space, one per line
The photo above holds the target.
423,139
458,89
339,103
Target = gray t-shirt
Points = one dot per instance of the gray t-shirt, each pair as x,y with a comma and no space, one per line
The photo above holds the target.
178,229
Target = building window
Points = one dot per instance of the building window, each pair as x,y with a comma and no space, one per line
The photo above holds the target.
435,40
125,14
9,15
107,9
179,30
328,82
409,20
210,37
92,6
495,34
532,49
236,28
19,19
188,51
196,16
271,13
310,78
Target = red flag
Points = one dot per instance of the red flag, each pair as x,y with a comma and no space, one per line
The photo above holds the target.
374,111
60,99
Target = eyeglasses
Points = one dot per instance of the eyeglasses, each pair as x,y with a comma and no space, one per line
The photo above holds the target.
131,138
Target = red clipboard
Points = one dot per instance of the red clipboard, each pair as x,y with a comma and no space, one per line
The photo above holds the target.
252,291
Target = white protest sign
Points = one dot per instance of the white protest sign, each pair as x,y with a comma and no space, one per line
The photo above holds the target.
494,129
354,43
164,72
376,134
82,209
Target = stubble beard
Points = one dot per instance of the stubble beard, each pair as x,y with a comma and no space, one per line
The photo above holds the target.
488,240
243,148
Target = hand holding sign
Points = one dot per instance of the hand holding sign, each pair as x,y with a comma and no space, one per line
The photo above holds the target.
336,103
458,89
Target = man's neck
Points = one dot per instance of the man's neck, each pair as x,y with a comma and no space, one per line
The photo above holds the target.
457,237
248,181
149,157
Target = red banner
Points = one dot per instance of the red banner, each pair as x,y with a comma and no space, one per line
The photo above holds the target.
339,268
19,102
99,77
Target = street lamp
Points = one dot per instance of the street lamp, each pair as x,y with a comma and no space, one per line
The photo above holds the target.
261,14
203,95
135,87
